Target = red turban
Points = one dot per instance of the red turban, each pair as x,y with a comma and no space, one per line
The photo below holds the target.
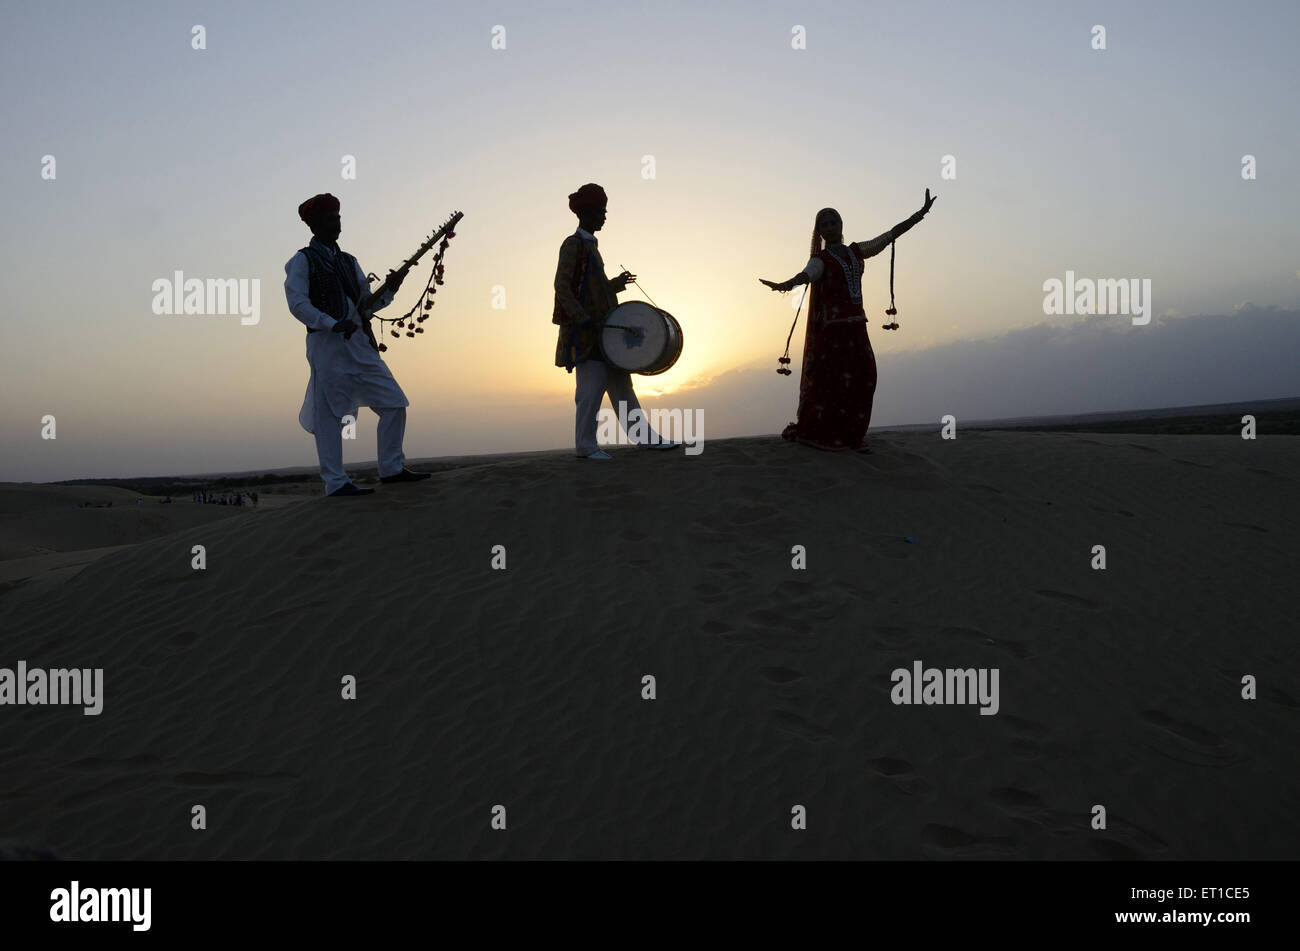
588,196
317,208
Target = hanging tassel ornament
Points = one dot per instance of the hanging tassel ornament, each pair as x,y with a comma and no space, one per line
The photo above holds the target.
409,321
784,359
893,325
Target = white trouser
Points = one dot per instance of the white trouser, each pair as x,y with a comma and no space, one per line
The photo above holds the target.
595,379
329,442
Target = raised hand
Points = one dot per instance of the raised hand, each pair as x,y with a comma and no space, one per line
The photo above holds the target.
621,282
782,287
928,201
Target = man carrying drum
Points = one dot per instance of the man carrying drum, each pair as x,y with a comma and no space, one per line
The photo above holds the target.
584,296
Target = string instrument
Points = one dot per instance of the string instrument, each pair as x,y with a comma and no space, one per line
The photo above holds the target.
408,321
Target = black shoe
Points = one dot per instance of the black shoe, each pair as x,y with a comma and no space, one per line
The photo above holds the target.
350,489
406,475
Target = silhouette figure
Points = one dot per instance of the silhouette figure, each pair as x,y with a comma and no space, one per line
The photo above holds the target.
837,382
584,296
323,285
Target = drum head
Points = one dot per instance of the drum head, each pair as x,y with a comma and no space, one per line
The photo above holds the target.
643,346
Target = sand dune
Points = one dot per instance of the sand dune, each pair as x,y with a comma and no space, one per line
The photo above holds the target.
522,687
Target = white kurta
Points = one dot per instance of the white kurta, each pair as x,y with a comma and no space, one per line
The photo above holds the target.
349,373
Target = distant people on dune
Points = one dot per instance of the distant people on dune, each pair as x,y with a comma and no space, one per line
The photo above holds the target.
837,383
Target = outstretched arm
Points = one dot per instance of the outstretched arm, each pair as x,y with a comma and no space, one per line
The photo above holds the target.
812,271
880,242
800,278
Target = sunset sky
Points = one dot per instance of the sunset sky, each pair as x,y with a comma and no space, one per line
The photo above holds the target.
1116,163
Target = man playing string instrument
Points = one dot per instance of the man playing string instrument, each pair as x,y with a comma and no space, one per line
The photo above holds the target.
323,286
838,381
584,296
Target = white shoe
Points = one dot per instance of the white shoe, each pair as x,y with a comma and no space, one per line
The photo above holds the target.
598,454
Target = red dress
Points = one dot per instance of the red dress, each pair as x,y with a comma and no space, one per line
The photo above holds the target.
838,382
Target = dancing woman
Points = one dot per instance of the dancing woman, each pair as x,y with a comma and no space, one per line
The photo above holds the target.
838,380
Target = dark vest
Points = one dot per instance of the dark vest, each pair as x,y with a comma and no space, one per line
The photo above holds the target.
332,283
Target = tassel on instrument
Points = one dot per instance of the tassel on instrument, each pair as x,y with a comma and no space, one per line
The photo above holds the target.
409,322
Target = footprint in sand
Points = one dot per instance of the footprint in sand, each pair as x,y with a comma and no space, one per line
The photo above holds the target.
902,779
1269,474
1114,851
1187,742
1187,731
1024,806
1026,735
1123,840
780,675
1013,647
159,582
954,843
888,546
286,612
781,630
709,593
170,647
893,768
231,778
750,513
93,763
804,729
892,636
1068,598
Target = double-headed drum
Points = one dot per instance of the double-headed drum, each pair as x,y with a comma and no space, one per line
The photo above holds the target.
640,338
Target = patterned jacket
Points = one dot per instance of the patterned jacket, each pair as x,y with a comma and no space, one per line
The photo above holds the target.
583,297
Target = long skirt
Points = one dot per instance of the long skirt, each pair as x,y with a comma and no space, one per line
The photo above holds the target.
836,388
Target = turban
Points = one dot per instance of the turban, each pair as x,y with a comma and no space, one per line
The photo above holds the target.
318,208
588,196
